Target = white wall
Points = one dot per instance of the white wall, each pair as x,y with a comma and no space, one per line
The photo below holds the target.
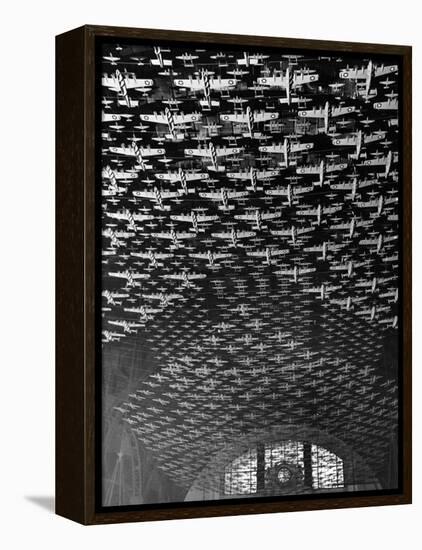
27,269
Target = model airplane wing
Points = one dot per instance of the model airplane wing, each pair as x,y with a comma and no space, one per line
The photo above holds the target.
213,195
144,194
182,217
251,216
281,232
222,83
226,151
270,215
385,69
182,118
312,113
245,234
191,83
169,194
234,117
188,176
190,276
116,84
367,204
134,151
155,117
304,230
264,116
133,83
119,274
354,74
308,169
198,152
200,255
163,235
308,212
345,141
223,235
207,218
342,111
237,194
301,78
277,191
280,81
171,236
332,209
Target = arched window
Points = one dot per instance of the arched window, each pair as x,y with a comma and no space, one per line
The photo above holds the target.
283,467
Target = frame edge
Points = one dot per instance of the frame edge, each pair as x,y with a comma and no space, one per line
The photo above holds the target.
75,367
70,371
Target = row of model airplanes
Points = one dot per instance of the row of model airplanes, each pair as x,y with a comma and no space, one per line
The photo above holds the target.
164,191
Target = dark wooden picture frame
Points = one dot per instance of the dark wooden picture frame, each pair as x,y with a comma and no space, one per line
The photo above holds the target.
77,399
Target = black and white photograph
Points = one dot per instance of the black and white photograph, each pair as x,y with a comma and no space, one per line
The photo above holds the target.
250,272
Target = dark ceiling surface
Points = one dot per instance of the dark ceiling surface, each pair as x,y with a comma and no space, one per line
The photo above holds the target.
250,206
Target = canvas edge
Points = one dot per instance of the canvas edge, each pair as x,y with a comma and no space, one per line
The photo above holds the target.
75,481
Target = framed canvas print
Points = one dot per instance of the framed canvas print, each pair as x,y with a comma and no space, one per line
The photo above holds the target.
233,274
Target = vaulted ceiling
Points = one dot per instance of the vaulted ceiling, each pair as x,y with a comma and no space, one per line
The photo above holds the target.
250,247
